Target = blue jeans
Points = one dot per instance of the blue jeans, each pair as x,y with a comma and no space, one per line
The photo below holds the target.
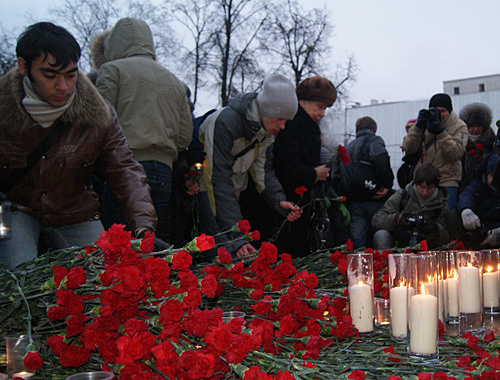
25,234
160,181
361,221
452,197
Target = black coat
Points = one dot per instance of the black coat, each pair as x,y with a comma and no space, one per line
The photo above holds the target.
296,153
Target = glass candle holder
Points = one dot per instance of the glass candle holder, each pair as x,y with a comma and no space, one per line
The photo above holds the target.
399,275
97,375
423,326
360,277
5,222
16,350
470,291
452,287
491,281
382,311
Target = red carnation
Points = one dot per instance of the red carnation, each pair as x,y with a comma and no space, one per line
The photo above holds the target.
32,361
59,274
244,227
357,375
423,245
182,260
75,278
343,156
224,256
255,235
74,356
300,190
209,285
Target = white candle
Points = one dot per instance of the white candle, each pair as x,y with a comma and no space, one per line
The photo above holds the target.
23,374
453,297
423,320
399,311
469,289
445,292
361,307
491,294
441,301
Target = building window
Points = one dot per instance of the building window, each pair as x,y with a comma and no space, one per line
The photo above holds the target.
481,87
456,90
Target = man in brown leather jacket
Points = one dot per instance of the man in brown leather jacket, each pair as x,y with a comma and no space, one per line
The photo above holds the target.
47,92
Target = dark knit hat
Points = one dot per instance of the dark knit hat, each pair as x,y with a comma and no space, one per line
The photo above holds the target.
317,89
277,98
441,100
476,114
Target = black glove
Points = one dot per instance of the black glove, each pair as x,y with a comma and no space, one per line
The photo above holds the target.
159,244
422,120
435,127
429,227
195,154
403,219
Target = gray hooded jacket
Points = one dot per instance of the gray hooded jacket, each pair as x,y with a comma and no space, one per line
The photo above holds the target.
151,102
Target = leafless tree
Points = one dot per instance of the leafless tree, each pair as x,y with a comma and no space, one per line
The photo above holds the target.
235,42
197,17
300,42
7,51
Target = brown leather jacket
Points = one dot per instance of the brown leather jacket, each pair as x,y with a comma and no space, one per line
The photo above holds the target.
58,189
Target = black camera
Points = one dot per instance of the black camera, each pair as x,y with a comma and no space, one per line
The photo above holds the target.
432,114
417,221
418,225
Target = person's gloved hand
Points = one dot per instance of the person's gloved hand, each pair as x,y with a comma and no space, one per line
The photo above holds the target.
435,127
402,219
429,227
195,155
345,214
421,120
493,238
470,220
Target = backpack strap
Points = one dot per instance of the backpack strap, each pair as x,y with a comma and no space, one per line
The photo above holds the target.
34,156
248,148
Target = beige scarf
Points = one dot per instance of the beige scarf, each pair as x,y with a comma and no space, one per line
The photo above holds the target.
42,112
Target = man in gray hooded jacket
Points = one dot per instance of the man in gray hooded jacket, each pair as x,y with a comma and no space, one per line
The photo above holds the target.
152,106
238,141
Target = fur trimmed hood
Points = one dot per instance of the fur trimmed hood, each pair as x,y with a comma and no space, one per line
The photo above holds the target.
97,50
88,107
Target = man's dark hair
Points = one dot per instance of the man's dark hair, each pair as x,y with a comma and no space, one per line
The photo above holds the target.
44,38
365,122
427,173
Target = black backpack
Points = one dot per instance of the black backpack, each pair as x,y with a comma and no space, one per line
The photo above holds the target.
358,179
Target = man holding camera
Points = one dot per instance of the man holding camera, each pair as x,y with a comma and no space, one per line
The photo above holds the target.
442,138
417,212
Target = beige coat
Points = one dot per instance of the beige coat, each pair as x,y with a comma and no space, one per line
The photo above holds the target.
445,152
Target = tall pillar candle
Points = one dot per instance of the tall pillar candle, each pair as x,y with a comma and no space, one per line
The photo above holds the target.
361,301
469,288
361,307
423,320
491,296
453,297
399,311
398,269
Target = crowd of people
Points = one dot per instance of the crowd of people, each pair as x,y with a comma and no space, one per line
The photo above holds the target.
79,153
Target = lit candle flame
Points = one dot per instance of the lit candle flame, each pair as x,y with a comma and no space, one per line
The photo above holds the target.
198,166
489,269
422,288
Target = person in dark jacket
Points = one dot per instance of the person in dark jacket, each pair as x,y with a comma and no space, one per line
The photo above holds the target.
478,118
363,208
55,196
238,141
479,207
297,160
417,212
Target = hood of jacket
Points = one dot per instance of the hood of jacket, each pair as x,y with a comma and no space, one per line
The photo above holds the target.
246,106
129,37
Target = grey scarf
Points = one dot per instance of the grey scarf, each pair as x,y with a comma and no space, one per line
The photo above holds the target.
42,112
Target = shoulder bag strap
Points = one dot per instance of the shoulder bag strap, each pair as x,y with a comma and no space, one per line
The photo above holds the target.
34,156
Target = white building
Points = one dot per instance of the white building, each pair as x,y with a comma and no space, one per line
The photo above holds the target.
391,117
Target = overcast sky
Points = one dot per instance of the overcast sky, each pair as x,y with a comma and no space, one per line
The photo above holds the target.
404,49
